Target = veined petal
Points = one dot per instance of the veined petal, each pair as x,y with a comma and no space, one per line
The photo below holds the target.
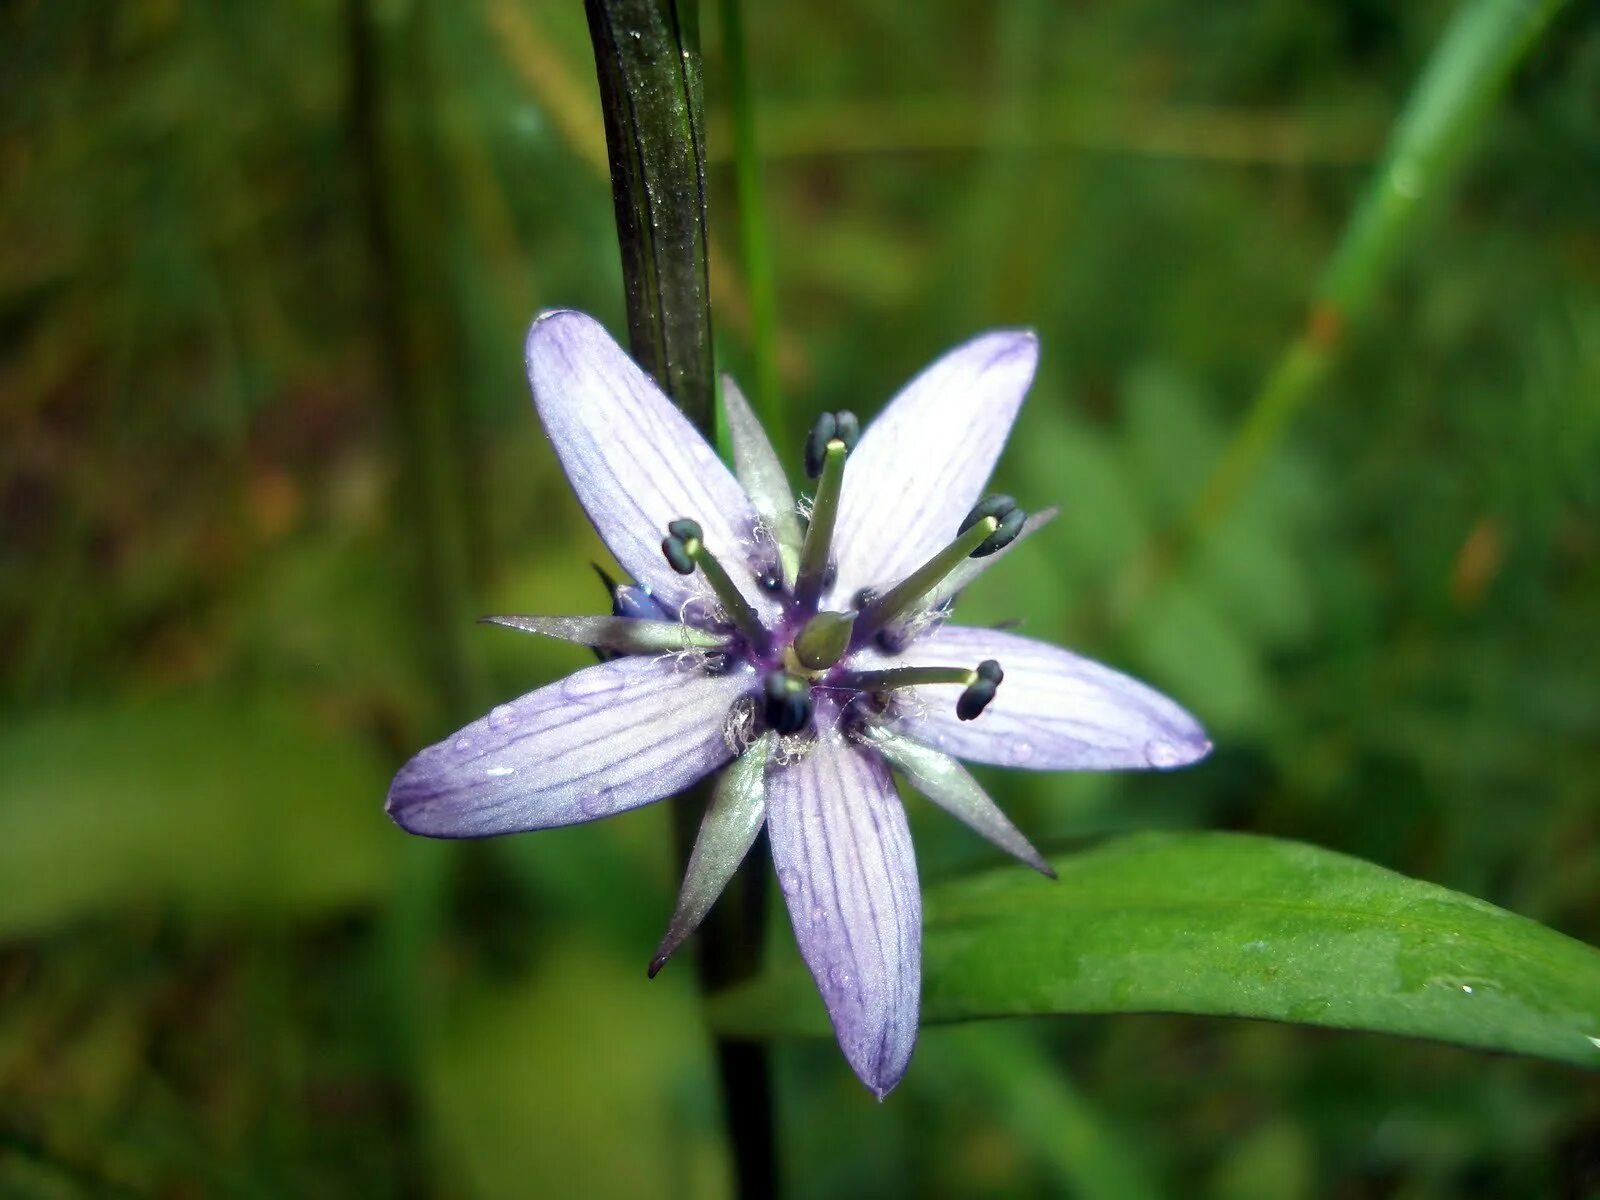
844,859
604,739
1055,710
727,831
922,465
756,464
625,635
634,460
951,786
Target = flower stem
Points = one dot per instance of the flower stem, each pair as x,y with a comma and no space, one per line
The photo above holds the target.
647,58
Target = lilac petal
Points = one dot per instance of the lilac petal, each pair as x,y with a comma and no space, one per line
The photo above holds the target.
951,786
761,473
605,739
844,859
635,462
1054,710
624,635
733,818
922,465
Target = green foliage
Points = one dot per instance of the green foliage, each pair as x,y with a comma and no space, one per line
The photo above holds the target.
238,441
1236,926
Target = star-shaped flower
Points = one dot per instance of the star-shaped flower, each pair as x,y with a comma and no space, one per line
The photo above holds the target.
813,655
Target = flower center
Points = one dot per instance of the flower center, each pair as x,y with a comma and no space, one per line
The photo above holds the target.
816,657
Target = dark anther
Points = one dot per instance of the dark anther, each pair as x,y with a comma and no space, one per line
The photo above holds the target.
786,702
1010,525
686,530
823,431
978,694
996,506
770,580
829,427
847,429
1010,520
677,556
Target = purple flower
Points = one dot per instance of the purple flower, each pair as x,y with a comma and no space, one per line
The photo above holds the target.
811,655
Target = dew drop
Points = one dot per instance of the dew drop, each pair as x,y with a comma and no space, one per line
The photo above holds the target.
788,880
462,744
1160,754
587,682
819,917
1020,752
502,716
596,804
500,772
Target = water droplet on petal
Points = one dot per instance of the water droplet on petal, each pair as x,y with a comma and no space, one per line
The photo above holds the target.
1020,752
500,772
1161,754
788,880
596,804
587,682
819,917
502,716
462,745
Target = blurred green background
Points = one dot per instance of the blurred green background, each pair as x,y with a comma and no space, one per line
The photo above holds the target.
266,450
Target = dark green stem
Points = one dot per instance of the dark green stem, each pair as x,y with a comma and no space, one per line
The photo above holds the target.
647,58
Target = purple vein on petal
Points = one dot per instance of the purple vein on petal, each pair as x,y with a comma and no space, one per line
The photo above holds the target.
634,460
605,739
845,862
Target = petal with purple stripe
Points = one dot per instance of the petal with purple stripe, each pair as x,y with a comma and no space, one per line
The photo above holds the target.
603,740
635,461
846,867
922,465
1055,710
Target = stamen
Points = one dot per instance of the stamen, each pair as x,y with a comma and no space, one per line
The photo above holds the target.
979,685
829,427
904,677
785,702
685,551
989,527
978,694
826,449
823,640
1004,510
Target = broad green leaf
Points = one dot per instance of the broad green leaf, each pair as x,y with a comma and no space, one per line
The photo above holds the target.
1230,925
219,807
